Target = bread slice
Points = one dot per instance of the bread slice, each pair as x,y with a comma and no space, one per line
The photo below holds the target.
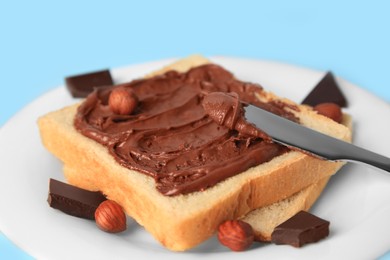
264,219
184,221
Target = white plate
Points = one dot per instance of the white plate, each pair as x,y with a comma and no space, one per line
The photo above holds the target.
357,200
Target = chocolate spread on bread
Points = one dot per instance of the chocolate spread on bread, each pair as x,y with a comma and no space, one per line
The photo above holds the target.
187,132
226,109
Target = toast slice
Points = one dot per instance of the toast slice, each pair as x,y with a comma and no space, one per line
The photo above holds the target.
264,219
184,221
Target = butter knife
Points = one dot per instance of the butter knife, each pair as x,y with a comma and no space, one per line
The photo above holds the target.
294,135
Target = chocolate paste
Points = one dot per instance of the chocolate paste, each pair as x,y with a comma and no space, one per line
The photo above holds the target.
178,134
226,109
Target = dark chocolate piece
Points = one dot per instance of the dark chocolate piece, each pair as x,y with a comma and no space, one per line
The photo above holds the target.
302,228
82,85
326,91
73,200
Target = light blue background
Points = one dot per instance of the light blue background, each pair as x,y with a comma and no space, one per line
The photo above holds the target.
43,41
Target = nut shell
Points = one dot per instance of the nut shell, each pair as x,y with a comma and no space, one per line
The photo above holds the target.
331,110
236,235
110,217
122,101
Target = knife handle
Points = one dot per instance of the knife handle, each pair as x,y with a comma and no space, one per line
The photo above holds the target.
358,154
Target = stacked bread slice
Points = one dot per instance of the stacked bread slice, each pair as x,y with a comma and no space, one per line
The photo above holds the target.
264,195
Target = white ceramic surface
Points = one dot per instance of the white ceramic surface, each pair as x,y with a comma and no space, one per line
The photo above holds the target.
357,200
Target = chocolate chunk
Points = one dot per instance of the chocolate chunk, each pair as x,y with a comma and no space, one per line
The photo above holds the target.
73,200
302,228
82,85
326,91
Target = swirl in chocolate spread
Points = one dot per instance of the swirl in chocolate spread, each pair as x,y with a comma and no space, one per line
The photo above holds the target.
227,110
183,134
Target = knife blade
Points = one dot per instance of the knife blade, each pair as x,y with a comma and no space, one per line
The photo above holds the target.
299,137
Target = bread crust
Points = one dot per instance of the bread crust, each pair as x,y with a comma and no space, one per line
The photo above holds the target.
263,220
184,221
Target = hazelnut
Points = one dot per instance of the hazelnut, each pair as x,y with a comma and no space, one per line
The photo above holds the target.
331,110
110,217
236,235
122,101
